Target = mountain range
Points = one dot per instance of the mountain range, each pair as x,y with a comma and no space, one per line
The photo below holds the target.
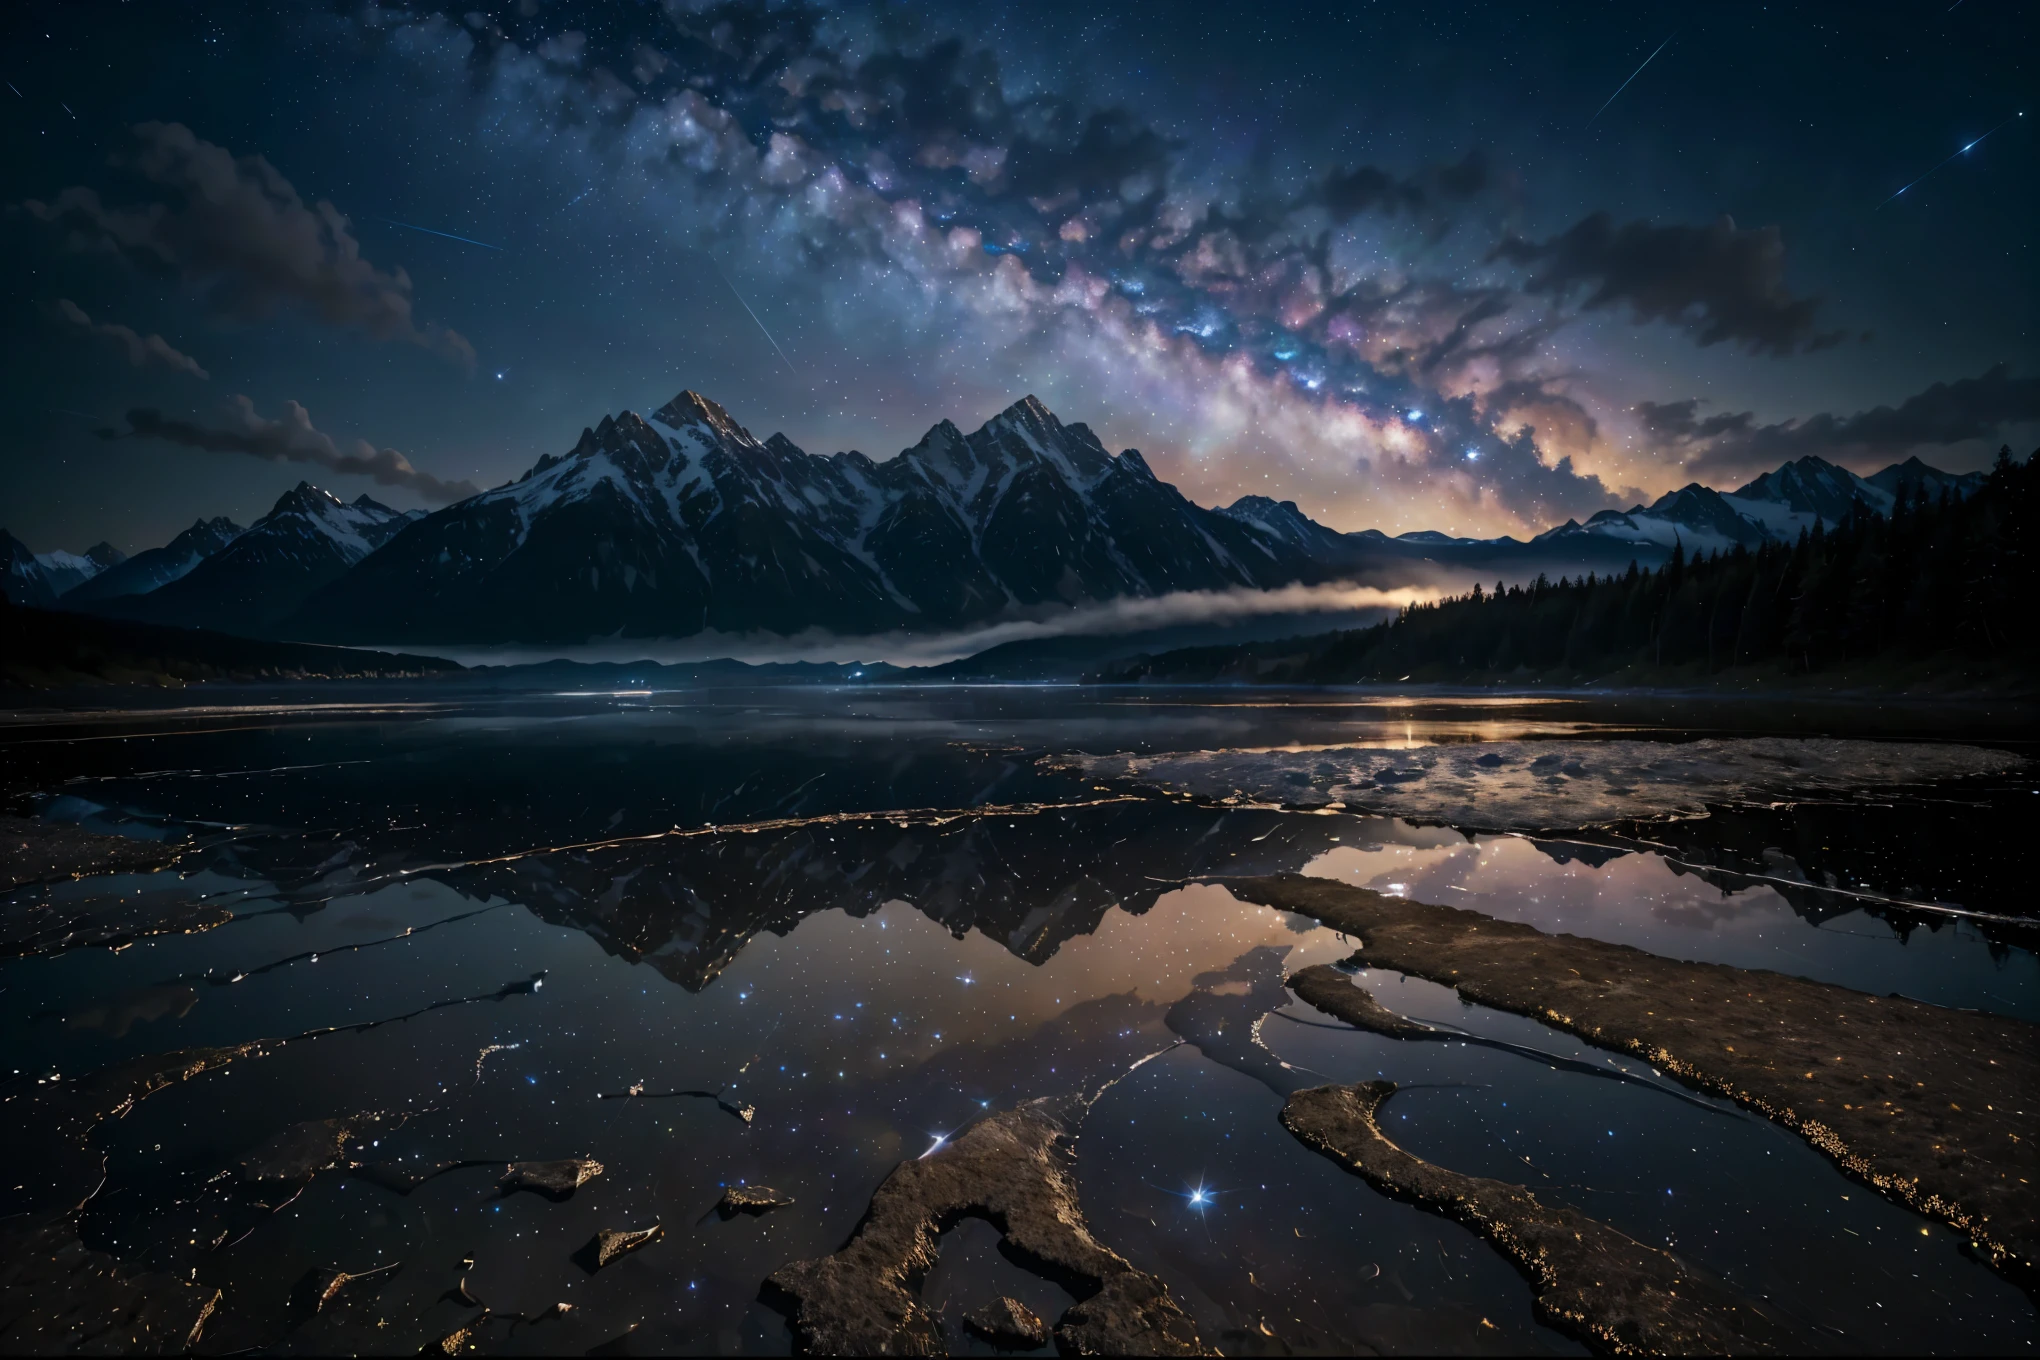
684,522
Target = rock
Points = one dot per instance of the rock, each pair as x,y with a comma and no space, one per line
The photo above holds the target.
1011,1169
58,1295
36,851
555,1180
1333,993
1008,1324
750,1199
461,1338
302,1151
1920,1101
1608,1289
611,1243
324,1284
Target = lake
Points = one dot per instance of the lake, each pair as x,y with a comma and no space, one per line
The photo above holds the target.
792,937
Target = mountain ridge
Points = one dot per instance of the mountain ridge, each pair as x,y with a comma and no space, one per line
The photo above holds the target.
683,521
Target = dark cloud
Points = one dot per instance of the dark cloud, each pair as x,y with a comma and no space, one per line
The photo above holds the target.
1718,283
236,228
141,350
1537,491
1944,414
291,440
1345,194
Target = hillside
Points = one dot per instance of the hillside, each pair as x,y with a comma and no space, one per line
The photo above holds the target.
45,649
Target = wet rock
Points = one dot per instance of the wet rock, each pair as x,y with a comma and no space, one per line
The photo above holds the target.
1333,993
460,1339
35,851
324,1284
1008,1324
1602,1286
1011,1169
554,1180
1922,1102
302,1151
612,1243
58,1295
750,1199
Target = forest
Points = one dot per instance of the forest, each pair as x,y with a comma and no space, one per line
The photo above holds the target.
1935,578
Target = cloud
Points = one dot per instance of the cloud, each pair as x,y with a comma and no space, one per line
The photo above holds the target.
236,228
1946,413
1718,283
141,351
291,439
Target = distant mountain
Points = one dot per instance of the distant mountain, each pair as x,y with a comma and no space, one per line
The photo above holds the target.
1773,508
1912,474
157,567
37,579
685,522
309,538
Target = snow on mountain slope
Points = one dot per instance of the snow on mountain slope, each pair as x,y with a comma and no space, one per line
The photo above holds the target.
157,567
1777,506
1815,487
37,579
685,521
309,538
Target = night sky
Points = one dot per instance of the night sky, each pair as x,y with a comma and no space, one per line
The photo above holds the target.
1408,265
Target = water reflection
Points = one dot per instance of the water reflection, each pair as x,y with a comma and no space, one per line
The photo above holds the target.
879,919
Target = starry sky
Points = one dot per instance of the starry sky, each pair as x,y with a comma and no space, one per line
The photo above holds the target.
1449,266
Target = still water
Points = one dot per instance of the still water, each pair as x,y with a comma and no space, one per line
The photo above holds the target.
792,937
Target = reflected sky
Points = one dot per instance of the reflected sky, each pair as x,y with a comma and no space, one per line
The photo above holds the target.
866,985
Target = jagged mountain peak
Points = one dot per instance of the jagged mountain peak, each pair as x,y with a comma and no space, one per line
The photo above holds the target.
304,498
706,528
691,409
1811,485
1029,410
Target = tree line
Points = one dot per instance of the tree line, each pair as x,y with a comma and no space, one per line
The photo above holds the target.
1938,575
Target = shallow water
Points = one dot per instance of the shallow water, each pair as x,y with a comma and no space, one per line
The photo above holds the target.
866,984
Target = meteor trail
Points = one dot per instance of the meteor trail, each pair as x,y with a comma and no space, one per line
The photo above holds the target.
447,234
753,315
1963,151
1632,75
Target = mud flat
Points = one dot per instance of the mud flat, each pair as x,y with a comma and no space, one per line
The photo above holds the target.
1602,1286
1011,1169
1935,1108
57,1294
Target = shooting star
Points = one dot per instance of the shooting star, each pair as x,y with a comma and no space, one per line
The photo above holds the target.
447,234
1962,152
753,315
1632,75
